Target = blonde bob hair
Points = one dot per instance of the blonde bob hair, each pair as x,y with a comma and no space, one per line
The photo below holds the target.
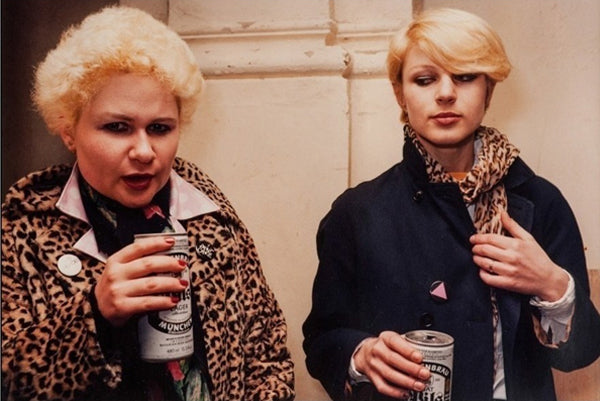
115,40
458,41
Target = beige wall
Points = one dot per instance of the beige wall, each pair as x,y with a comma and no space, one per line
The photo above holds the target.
297,108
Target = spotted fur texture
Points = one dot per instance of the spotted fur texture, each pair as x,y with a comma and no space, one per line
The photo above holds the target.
50,346
482,185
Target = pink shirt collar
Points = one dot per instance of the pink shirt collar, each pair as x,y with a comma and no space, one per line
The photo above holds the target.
186,202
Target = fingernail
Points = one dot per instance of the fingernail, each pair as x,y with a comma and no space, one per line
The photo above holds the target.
184,283
416,356
419,386
175,299
170,240
424,374
182,262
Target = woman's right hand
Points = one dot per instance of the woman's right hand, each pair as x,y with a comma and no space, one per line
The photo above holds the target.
129,284
392,365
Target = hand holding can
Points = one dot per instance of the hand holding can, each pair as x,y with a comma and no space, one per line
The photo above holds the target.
392,365
438,354
168,335
133,281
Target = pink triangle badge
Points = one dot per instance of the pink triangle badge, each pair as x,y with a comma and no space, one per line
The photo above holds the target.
438,291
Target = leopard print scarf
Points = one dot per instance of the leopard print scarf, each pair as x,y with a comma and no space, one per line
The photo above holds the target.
482,186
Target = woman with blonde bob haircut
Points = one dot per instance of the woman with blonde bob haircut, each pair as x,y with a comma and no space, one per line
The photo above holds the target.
118,89
460,238
459,41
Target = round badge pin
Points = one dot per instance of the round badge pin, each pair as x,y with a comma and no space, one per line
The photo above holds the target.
69,265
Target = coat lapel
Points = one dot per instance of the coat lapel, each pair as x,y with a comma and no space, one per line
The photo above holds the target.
509,303
447,198
521,210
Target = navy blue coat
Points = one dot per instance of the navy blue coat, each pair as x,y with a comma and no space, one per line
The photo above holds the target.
386,241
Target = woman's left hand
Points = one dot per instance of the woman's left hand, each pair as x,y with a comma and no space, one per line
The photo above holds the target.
518,263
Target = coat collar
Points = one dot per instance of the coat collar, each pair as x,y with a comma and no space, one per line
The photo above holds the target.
186,202
518,172
447,195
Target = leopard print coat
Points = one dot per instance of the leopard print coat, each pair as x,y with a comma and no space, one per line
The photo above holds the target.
50,343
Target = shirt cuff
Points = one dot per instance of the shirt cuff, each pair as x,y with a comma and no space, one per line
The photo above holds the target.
555,317
354,375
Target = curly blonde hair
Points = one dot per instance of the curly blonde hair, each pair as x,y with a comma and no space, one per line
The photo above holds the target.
112,41
458,41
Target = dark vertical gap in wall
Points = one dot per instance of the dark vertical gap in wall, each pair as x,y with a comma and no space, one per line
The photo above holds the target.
30,28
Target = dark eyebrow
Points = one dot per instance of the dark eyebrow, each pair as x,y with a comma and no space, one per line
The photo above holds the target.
164,120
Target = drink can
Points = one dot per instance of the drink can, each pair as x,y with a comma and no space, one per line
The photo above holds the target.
168,335
438,352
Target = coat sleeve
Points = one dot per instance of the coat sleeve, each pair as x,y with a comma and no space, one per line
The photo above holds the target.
557,232
331,331
39,360
269,369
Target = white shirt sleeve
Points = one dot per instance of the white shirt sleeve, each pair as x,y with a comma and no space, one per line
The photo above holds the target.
354,375
556,316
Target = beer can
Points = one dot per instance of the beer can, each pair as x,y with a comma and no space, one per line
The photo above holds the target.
168,335
438,352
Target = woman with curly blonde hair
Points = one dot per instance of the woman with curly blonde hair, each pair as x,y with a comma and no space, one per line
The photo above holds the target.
118,89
